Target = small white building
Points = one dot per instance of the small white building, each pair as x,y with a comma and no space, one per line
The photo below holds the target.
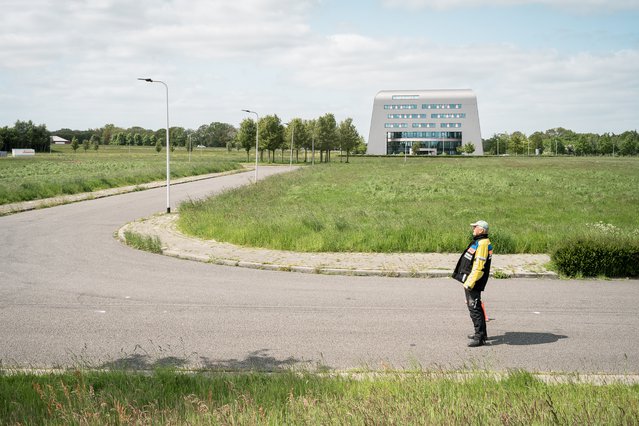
57,140
438,121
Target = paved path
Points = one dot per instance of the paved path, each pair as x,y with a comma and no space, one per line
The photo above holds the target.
73,295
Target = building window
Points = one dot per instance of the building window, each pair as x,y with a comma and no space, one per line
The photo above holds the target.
450,125
424,125
424,135
404,106
441,106
395,125
405,96
399,116
449,115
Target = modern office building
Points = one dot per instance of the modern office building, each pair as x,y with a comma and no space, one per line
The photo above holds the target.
424,122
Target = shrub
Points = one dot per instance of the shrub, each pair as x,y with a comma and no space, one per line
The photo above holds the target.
591,256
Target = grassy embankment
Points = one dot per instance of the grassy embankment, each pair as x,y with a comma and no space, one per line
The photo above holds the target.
65,172
167,397
426,204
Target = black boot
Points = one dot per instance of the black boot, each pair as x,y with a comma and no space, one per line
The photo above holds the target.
475,342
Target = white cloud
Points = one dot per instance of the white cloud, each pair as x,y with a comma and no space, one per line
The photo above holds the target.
38,33
518,89
74,63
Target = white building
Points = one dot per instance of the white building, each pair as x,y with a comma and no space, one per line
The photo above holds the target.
427,122
57,140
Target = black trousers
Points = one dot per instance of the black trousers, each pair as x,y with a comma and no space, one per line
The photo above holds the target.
473,301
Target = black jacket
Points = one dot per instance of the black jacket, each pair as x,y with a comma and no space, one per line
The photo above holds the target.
473,267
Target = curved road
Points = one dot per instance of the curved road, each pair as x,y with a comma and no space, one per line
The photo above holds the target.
72,295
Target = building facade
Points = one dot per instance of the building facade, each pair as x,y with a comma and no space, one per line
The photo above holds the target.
424,122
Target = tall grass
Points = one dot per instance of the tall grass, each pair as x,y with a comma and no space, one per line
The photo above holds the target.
143,242
167,397
64,172
425,205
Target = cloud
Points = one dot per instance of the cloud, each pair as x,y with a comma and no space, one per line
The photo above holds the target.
75,62
517,88
40,33
575,5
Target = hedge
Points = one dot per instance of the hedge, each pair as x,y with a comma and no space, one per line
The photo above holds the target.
590,256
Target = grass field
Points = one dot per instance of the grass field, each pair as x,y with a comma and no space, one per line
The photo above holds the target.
426,205
167,397
65,172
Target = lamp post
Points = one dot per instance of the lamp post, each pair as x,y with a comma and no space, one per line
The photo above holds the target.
168,145
290,164
257,137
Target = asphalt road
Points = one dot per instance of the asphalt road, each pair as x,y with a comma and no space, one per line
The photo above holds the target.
72,295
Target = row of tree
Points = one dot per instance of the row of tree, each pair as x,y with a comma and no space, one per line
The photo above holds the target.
25,134
560,141
322,134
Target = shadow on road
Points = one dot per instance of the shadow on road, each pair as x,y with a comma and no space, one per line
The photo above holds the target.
143,362
517,338
255,361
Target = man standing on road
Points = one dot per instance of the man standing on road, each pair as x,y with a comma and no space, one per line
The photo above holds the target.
472,271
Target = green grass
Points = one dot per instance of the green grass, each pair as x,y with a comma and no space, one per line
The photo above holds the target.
167,397
426,205
143,242
65,172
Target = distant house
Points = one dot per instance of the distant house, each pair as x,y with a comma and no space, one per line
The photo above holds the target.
57,140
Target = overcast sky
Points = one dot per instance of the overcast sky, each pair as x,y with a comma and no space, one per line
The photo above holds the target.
533,64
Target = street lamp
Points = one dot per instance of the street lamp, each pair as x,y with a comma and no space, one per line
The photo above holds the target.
290,164
168,145
257,137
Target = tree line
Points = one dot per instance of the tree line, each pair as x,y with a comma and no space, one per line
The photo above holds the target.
560,141
323,135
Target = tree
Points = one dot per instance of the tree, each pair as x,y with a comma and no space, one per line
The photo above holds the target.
347,136
497,144
116,139
309,143
361,146
107,134
25,134
246,135
271,134
75,144
158,146
221,134
326,134
629,143
95,141
178,136
537,141
585,144
468,148
297,134
518,143
85,145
